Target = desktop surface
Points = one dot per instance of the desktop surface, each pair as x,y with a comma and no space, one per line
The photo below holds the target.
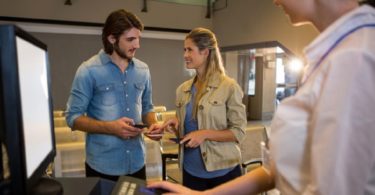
86,185
134,186
97,186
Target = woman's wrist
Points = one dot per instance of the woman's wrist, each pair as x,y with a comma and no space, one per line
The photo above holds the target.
207,134
208,192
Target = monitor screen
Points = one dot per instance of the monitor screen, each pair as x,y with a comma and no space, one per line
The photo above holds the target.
32,72
26,107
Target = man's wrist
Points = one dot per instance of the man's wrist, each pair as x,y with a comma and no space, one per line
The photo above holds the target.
107,126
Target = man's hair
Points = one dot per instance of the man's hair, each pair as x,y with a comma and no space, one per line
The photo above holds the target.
116,23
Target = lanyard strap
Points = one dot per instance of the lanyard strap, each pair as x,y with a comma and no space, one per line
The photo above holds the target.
338,41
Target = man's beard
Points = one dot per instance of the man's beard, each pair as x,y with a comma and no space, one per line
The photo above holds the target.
120,52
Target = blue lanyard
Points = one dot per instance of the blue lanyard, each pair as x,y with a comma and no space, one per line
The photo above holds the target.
338,41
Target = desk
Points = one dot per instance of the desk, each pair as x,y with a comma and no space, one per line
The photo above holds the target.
83,185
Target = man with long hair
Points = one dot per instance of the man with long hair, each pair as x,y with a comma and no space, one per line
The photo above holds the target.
111,92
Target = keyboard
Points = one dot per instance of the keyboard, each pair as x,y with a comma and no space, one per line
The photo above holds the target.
133,186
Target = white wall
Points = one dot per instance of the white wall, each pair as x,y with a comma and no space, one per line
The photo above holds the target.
166,15
253,21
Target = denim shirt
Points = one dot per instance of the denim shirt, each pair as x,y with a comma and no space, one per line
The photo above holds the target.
102,92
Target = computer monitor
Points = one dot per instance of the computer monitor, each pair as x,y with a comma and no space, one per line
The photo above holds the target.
26,112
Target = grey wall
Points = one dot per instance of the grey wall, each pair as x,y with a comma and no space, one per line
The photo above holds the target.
165,59
167,15
253,21
242,22
68,51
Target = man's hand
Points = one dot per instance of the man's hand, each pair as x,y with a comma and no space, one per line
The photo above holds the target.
123,128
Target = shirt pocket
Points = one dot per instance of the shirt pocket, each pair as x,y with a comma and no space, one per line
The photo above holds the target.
139,88
107,94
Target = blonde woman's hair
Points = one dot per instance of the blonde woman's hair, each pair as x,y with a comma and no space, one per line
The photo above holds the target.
206,39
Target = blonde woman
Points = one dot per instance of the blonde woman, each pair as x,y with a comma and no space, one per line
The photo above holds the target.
210,116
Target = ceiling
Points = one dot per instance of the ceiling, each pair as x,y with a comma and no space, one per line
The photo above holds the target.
188,2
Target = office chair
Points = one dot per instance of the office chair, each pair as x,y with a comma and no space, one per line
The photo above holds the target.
250,147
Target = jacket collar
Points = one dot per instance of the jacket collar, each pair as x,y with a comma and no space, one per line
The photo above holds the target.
213,82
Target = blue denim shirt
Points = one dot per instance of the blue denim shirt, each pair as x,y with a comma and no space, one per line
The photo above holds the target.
102,92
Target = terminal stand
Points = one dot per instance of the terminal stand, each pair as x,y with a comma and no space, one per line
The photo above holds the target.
86,185
47,186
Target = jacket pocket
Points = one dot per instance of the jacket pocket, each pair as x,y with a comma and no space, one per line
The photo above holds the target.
216,102
217,113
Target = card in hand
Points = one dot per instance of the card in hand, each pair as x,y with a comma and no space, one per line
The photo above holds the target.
175,140
140,126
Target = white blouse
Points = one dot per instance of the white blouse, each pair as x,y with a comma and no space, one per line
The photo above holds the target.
323,138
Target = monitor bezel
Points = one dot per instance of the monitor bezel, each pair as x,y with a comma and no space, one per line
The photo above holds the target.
12,117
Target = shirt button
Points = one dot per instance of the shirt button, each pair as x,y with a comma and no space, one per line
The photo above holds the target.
127,151
200,107
126,95
127,109
125,82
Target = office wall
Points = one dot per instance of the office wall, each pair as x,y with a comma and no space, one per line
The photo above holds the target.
253,21
242,22
68,51
167,15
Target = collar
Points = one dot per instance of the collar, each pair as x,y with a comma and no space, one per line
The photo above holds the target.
213,82
357,17
106,59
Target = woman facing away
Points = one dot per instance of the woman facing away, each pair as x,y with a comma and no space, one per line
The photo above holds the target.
321,139
211,118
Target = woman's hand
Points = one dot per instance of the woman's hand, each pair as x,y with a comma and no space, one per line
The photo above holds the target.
195,138
155,132
171,126
173,188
